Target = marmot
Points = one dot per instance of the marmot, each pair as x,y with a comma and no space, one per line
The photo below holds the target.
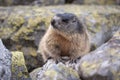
66,36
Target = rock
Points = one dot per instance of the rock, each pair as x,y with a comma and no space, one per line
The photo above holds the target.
15,2
30,2
46,2
118,2
103,63
97,2
5,62
57,2
21,30
34,73
52,71
33,60
19,70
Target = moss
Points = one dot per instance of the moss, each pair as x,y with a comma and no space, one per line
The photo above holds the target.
96,21
19,69
56,1
61,72
29,51
33,21
9,2
89,67
20,59
68,71
21,33
16,20
51,73
74,73
113,20
6,32
117,34
30,26
21,23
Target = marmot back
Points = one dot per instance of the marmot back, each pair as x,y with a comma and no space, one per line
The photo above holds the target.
66,36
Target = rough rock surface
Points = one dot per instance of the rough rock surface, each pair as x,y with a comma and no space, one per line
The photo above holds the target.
103,63
19,70
56,2
31,2
34,73
52,71
97,2
5,62
21,28
48,2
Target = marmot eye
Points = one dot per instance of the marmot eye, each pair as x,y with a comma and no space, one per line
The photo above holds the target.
74,20
65,20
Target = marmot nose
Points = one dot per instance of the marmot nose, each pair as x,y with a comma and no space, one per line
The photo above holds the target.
53,22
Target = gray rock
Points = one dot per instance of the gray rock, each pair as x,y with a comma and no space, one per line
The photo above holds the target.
97,2
5,63
34,73
52,71
46,2
103,63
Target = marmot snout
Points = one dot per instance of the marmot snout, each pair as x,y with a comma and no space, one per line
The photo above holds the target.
66,36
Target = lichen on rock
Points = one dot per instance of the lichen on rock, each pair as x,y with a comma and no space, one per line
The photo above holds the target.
23,27
52,71
103,63
19,70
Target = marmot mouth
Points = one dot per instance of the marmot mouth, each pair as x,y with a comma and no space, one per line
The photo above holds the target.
53,22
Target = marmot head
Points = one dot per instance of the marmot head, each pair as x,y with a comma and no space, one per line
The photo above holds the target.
67,22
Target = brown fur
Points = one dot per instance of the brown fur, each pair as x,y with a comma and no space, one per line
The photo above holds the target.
56,44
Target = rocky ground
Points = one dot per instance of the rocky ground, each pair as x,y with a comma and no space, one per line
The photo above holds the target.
21,28
57,2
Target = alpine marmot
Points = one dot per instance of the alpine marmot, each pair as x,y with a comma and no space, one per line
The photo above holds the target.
66,36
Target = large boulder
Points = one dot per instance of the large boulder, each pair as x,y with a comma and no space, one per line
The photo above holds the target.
34,73
19,70
53,71
21,28
5,62
103,63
